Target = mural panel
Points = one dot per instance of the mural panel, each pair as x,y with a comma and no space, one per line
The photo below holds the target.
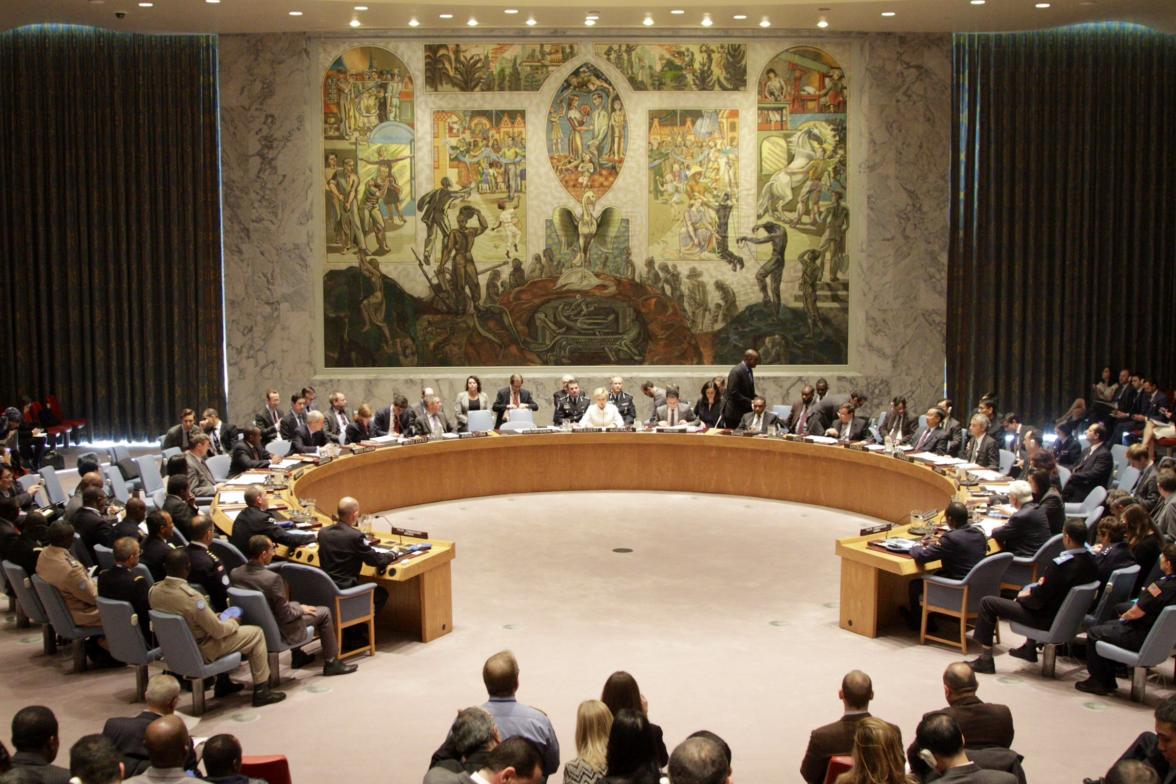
678,67
489,68
587,133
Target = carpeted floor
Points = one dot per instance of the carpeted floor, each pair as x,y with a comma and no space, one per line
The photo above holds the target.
725,611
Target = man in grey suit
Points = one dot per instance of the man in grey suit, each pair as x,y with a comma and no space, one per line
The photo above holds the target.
981,448
337,418
672,412
934,437
514,761
1165,511
758,419
292,618
848,427
200,480
433,422
939,736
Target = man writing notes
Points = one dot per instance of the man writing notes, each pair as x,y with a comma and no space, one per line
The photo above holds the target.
673,413
511,398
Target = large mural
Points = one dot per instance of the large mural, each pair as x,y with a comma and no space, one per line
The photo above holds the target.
473,271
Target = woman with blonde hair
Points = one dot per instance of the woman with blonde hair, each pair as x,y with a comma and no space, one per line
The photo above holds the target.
877,756
593,723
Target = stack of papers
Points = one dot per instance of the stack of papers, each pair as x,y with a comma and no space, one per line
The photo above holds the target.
231,497
821,439
388,439
249,478
988,475
288,462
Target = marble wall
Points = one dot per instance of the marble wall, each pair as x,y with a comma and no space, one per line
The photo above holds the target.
899,156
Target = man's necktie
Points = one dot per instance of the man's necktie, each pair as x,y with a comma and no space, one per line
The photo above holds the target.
757,423
673,417
395,421
922,440
802,424
515,399
216,445
274,415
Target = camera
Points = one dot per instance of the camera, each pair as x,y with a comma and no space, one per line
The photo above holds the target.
120,14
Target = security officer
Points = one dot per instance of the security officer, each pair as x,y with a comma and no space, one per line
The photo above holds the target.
343,550
58,567
157,545
124,585
622,400
208,571
572,407
214,636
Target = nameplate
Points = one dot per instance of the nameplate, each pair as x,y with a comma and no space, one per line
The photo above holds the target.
875,529
298,474
479,434
324,460
409,533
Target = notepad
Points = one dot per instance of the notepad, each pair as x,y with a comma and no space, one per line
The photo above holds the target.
288,462
249,478
231,497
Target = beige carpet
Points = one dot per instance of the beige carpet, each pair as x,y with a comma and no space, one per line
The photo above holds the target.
725,611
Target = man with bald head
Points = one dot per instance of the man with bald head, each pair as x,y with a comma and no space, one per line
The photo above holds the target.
699,760
344,550
740,389
88,480
167,743
136,516
984,724
836,738
256,519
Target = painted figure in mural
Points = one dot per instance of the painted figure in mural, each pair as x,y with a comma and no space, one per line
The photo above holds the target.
459,254
723,217
433,208
392,199
334,198
698,234
517,278
600,124
347,185
535,268
773,90
836,220
817,174
726,304
833,96
581,232
508,222
652,276
556,132
696,300
576,122
493,287
771,272
617,129
371,218
372,306
810,278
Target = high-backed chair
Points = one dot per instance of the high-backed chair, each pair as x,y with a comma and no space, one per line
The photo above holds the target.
118,485
1128,476
838,765
1156,648
349,606
183,657
149,473
1007,459
1063,475
256,612
1026,569
170,452
1065,627
515,426
272,769
120,622
219,465
1093,500
278,448
63,622
228,553
1116,591
57,494
29,480
28,605
1119,459
961,598
78,550
105,557
783,411
480,421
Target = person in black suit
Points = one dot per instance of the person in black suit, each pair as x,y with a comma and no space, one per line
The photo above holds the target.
981,448
337,417
897,424
955,431
179,435
987,407
960,548
91,524
247,453
1049,499
124,585
208,571
939,734
1028,529
220,434
257,519
1112,551
934,437
1066,449
758,419
343,550
848,428
309,437
740,389
127,733
805,419
708,409
25,549
158,544
1149,404
269,419
361,429
35,739
396,419
180,504
510,397
1036,604
1093,469
572,406
617,395
294,419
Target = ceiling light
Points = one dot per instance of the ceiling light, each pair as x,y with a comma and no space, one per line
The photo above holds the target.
589,22
1041,5
511,11
822,23
361,8
677,11
979,2
765,22
887,13
414,22
531,21
706,20
146,5
295,13
355,23
739,17
446,16
212,2
647,21
472,22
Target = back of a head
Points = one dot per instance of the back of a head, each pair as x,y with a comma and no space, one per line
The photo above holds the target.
177,465
222,755
960,677
1076,530
33,728
95,760
61,534
177,563
500,673
714,736
630,743
162,692
1132,772
857,689
155,523
472,731
593,724
166,740
177,484
940,734
621,692
956,514
698,760
518,753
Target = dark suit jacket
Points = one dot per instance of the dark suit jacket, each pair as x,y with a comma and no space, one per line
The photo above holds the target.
502,403
1147,491
49,774
127,733
570,410
768,420
1025,532
1055,510
253,521
264,420
828,406
154,551
738,394
985,455
936,440
858,428
828,741
812,418
382,423
288,614
1062,574
209,573
422,427
662,414
343,550
94,529
226,435
1117,556
357,433
306,442
334,429
984,725
289,425
246,456
905,427
1067,452
177,438
1092,470
181,514
959,550
122,584
955,436
625,406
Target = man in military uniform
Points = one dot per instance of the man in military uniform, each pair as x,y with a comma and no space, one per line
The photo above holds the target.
257,519
208,571
214,636
157,545
124,585
571,409
622,400
343,550
58,567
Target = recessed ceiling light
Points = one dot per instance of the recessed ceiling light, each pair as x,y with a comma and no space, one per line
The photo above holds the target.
355,23
593,15
706,20
446,16
1041,5
472,22
295,13
822,23
361,8
146,5
765,22
677,11
414,22
589,22
531,21
212,2
511,11
979,2
887,13
739,17
647,21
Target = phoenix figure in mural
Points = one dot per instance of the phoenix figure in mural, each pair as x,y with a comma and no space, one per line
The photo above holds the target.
581,233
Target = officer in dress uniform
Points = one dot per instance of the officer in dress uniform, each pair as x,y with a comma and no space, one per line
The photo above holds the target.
157,545
57,566
124,585
622,400
572,406
208,571
215,637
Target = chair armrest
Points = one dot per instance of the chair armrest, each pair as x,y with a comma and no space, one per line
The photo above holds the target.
945,582
356,590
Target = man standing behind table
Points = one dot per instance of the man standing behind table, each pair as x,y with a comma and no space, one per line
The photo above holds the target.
510,398
622,400
269,419
740,389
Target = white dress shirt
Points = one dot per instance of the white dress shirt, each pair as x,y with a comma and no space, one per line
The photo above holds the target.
596,416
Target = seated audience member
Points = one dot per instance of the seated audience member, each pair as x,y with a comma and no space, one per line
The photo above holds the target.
1164,512
987,407
338,418
593,724
1130,629
1151,405
1048,499
955,431
709,407
847,427
1112,551
1066,449
1156,750
58,567
180,436
759,419
981,448
1146,490
512,397
256,518
269,419
220,434
877,755
1019,439
310,436
1094,467
94,760
622,400
984,724
247,453
222,761
571,406
514,761
836,738
26,549
343,550
621,692
214,637
940,735
805,417
92,524
958,550
361,428
500,674
933,437
700,760
167,742
294,418
1037,603
128,733
121,584
896,424
208,571
9,488
1145,541
1131,772
35,744
180,503
632,756
74,504
1028,529
1158,427
292,618
471,738
673,412
133,520
601,413
200,479
472,398
158,544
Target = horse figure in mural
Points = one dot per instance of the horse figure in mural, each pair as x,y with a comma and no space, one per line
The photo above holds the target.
781,190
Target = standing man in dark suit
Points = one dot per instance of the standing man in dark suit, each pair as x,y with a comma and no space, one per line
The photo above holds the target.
836,738
983,724
510,398
124,585
848,428
759,419
958,550
981,448
344,550
896,423
208,571
247,453
1094,469
1036,604
269,419
1028,529
309,437
622,400
805,419
740,389
257,519
932,438
292,618
337,417
293,420
178,436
